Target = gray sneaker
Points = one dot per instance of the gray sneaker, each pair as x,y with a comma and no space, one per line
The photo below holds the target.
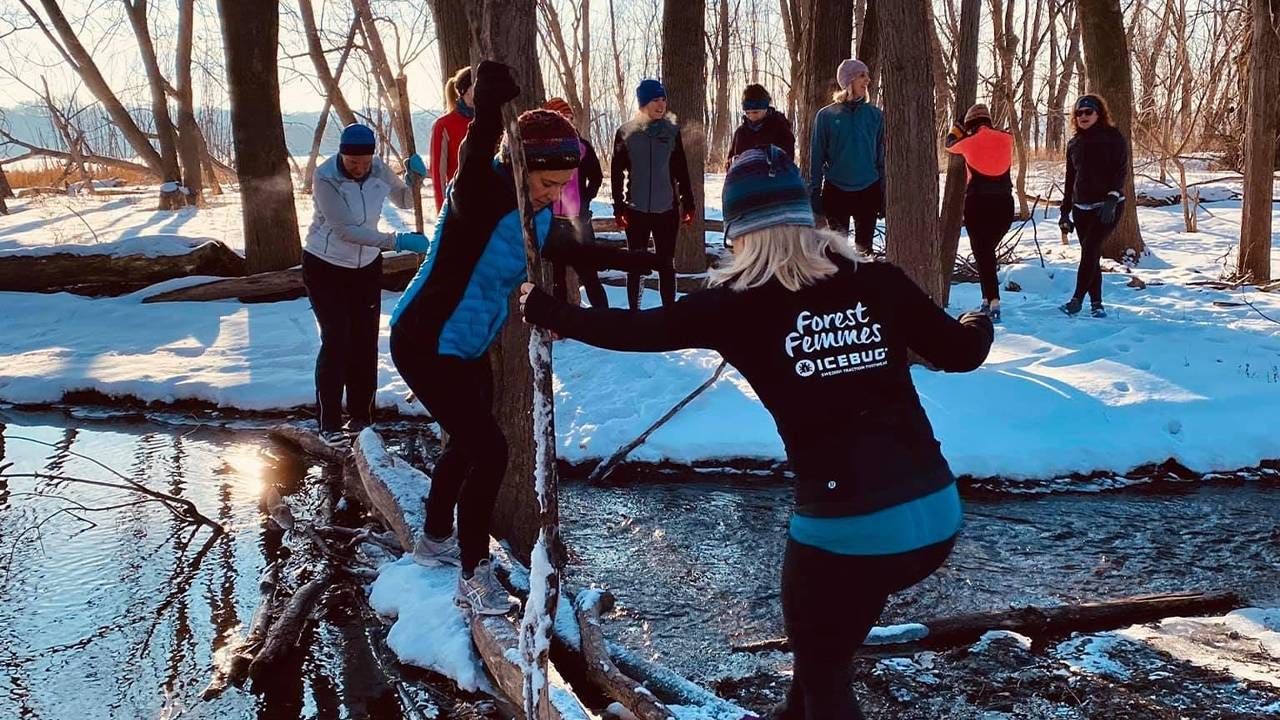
434,553
482,592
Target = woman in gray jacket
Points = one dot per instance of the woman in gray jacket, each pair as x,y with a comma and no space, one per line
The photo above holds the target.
342,271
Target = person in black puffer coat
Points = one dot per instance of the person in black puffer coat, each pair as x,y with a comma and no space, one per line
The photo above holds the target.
1093,194
762,126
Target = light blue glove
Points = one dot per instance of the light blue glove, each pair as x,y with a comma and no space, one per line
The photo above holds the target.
412,242
415,169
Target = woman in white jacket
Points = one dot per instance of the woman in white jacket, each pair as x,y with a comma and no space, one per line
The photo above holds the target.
342,271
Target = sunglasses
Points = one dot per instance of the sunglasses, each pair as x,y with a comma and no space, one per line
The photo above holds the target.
1084,112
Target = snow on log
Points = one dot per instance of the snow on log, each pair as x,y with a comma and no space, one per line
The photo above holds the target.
1036,622
395,488
600,668
498,642
105,274
279,284
305,435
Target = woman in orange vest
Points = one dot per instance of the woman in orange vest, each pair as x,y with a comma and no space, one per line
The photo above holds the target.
988,198
450,128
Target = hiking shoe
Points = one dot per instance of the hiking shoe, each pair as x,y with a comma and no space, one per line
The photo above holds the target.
1097,311
482,593
1072,306
434,553
337,440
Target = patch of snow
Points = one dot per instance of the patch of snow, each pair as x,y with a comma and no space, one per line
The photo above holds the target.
893,634
1244,643
990,636
1091,654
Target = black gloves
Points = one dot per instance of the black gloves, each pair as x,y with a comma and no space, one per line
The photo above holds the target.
982,322
1107,213
1064,222
494,85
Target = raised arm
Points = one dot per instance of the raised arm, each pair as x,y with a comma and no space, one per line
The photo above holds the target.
694,321
947,343
400,195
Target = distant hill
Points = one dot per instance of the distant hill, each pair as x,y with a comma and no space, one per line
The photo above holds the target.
299,128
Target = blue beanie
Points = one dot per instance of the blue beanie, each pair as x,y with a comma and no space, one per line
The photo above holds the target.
357,139
762,189
648,91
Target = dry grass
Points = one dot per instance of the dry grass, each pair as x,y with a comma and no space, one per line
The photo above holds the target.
52,176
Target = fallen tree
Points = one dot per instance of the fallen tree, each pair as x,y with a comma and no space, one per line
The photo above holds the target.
97,275
397,270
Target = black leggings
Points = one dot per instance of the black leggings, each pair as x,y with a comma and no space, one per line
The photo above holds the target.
663,227
348,305
1092,233
987,218
829,604
860,205
459,395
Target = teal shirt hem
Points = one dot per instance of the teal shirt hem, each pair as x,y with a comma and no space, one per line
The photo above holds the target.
912,525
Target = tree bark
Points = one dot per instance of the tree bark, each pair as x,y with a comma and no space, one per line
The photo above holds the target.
382,72
171,196
966,92
721,112
328,80
869,48
453,37
1254,261
823,46
308,175
583,119
6,191
250,30
188,131
684,73
1106,52
911,159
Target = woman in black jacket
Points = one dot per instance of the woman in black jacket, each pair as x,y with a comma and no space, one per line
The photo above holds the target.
1093,194
824,341
762,125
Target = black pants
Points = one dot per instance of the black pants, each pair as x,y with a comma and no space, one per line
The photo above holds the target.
829,604
663,227
348,305
1092,233
459,395
860,205
588,277
987,218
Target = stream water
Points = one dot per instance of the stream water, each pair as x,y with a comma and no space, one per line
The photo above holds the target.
119,612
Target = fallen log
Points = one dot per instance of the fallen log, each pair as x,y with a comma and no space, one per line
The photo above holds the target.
498,642
305,435
395,488
242,655
282,638
1049,622
601,670
397,270
97,275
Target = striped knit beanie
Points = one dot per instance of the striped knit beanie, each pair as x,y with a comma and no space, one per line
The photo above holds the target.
977,112
550,141
762,189
559,105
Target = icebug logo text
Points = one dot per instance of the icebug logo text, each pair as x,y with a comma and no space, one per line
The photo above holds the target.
805,368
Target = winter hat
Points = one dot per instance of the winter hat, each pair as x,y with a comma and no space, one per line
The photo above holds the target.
357,139
848,70
763,188
755,97
648,91
559,105
1088,101
550,141
977,112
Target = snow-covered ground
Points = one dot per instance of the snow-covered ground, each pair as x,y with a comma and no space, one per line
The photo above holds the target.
1177,370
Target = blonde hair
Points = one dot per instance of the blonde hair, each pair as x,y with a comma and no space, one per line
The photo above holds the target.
797,256
842,95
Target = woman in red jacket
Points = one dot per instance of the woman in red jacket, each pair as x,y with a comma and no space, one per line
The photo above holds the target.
988,198
450,128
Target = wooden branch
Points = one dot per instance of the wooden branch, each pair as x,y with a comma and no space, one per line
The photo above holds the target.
306,437
277,284
410,146
103,160
110,274
603,469
1047,622
600,668
242,656
283,636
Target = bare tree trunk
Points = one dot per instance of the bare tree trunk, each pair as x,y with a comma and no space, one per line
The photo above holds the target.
1260,141
171,196
206,163
684,72
5,190
250,31
328,80
720,112
824,45
79,59
188,131
318,137
1106,52
619,78
583,119
966,94
511,30
453,36
382,73
869,47
1057,125
910,156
